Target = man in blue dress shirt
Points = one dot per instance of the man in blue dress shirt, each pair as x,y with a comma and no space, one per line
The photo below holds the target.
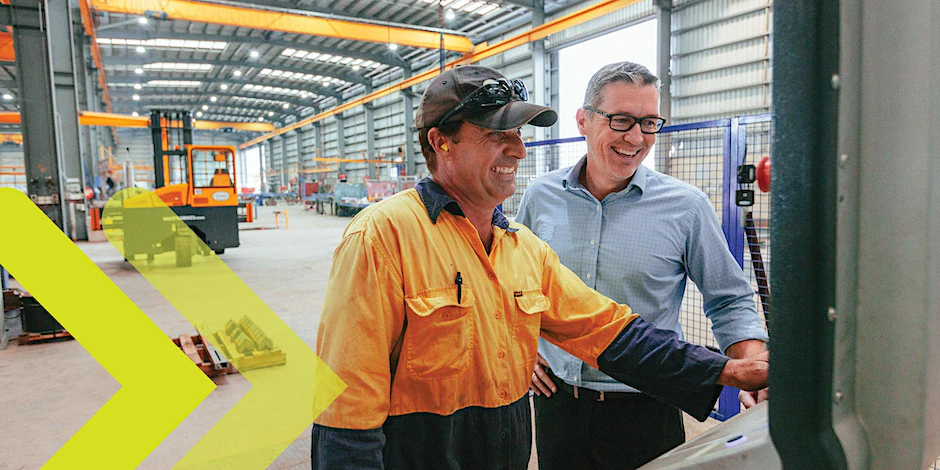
636,236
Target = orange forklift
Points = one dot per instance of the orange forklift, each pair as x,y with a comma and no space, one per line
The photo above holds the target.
196,181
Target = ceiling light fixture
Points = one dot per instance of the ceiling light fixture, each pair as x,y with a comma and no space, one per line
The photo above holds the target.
205,107
142,20
138,86
135,114
136,97
223,87
393,46
141,49
213,99
254,54
139,71
237,73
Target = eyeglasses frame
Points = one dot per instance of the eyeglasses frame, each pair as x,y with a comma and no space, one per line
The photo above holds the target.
636,120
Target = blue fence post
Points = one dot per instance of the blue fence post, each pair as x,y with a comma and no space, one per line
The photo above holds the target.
734,152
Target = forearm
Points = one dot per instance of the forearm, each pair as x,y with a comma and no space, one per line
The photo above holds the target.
746,348
346,448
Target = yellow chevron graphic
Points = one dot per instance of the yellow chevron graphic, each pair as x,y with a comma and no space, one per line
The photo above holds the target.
152,400
284,399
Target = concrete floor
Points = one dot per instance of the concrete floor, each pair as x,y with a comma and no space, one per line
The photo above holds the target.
48,391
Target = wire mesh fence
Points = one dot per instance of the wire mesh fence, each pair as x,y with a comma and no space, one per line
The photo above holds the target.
757,221
696,155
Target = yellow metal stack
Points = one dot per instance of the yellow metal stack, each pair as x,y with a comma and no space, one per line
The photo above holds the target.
247,347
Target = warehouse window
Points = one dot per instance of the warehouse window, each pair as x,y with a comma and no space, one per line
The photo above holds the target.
253,166
578,62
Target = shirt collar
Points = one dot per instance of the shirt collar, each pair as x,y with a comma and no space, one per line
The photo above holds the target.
436,200
570,181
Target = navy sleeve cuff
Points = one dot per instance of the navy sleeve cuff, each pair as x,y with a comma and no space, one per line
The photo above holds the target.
350,449
657,363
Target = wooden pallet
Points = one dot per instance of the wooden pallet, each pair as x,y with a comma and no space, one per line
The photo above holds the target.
209,360
35,338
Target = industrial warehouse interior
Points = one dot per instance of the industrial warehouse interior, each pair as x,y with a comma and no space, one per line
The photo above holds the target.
182,182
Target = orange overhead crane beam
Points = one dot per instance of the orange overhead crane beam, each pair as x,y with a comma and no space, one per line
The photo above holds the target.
352,160
534,34
228,15
88,118
6,48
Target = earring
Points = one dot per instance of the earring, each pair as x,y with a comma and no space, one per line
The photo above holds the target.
444,148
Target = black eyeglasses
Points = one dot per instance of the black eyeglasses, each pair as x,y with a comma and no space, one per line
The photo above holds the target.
625,122
496,93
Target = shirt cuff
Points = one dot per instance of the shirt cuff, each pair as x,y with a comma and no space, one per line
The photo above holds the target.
351,449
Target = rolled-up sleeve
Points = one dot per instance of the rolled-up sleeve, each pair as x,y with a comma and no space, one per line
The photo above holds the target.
728,296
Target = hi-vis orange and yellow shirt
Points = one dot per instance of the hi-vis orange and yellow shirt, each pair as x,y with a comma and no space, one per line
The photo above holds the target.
436,339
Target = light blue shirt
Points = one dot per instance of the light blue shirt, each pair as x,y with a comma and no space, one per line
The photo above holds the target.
638,246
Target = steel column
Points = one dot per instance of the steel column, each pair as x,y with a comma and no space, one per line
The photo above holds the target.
664,56
341,141
370,136
538,68
89,169
318,139
407,99
49,109
263,152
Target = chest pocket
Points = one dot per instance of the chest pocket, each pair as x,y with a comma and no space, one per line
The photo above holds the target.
529,303
439,338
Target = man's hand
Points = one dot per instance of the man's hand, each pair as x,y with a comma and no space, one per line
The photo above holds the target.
748,374
749,399
742,350
541,382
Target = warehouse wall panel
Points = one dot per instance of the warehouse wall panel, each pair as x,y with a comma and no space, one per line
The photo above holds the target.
621,18
721,59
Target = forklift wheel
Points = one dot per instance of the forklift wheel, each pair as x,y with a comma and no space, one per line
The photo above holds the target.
220,251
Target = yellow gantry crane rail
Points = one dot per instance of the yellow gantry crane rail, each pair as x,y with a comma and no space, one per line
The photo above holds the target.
285,22
486,51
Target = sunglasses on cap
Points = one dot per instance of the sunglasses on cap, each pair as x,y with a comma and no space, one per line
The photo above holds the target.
493,94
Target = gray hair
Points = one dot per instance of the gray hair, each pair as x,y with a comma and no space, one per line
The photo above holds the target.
627,72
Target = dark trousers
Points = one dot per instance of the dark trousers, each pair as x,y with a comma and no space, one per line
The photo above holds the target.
616,434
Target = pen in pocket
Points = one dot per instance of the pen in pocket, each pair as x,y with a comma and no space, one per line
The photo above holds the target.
459,282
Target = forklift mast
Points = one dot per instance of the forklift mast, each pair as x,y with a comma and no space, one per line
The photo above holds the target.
172,134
